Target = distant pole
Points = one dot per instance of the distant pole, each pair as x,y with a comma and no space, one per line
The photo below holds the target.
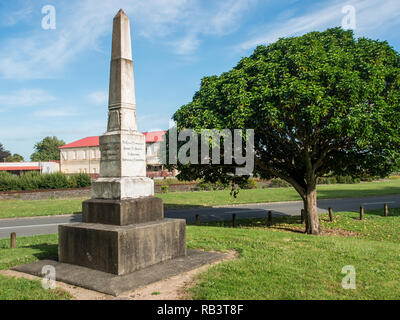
361,212
330,215
386,210
197,219
13,240
234,221
269,219
302,214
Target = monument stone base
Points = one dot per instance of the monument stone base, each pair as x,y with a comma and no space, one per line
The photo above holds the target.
121,250
122,212
122,188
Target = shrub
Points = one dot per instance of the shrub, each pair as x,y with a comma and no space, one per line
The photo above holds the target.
279,183
326,180
250,184
80,180
29,181
8,182
202,185
345,179
209,186
35,181
164,188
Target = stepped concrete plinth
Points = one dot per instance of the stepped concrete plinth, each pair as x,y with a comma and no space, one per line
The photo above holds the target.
122,249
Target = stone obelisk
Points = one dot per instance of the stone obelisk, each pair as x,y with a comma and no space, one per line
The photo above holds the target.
123,148
123,227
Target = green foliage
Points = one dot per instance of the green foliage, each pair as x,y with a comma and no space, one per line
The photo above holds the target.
164,188
35,181
278,183
320,103
47,149
209,186
14,158
249,184
79,180
3,153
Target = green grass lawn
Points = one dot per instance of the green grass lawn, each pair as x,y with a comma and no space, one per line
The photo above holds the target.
272,263
28,249
24,208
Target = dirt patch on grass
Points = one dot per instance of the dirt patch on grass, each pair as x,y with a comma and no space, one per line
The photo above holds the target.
324,231
174,288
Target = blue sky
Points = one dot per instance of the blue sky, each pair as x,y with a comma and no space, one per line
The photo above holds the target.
55,82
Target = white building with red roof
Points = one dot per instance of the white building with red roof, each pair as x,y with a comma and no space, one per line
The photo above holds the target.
21,167
84,155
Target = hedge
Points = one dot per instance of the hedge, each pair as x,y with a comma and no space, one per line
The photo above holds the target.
36,181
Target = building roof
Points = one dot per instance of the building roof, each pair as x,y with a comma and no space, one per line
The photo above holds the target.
152,136
85,142
19,168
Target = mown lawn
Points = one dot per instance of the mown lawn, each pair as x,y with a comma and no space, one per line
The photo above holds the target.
24,208
28,249
273,263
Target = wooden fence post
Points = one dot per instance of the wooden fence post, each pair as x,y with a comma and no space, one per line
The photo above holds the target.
386,210
13,240
361,212
330,215
234,221
269,221
197,219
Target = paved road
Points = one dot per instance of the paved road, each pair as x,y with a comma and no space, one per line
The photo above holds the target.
49,225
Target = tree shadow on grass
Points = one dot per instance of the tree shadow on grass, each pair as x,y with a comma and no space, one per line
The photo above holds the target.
278,222
46,251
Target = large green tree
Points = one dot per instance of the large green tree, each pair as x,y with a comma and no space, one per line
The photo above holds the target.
47,149
14,158
3,153
320,103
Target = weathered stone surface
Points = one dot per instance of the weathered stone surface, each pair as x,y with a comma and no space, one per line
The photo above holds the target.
123,212
122,155
116,285
121,249
122,188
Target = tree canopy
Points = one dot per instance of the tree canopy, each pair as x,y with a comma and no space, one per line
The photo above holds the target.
3,153
322,103
47,149
14,158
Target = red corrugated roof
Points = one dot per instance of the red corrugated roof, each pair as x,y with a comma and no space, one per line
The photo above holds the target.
152,136
85,142
19,168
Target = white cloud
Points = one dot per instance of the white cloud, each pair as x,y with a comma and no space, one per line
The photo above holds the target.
54,113
98,97
81,24
373,17
25,98
12,18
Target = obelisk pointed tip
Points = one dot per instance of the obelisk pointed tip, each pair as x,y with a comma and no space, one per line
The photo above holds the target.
120,13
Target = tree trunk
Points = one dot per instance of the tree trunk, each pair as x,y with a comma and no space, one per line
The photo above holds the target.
310,207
